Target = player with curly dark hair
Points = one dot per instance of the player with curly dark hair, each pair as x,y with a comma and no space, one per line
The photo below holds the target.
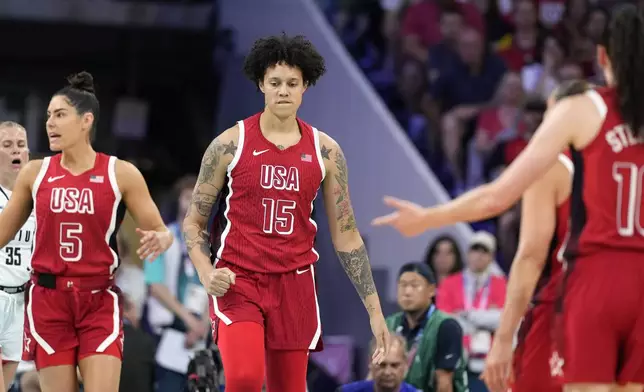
264,308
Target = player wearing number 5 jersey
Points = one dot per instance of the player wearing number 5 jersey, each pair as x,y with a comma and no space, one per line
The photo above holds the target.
604,288
270,167
72,312
15,258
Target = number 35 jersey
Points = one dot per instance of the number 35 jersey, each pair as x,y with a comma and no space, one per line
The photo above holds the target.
606,206
15,258
77,218
267,223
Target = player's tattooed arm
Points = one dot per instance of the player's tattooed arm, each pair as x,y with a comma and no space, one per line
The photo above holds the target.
212,176
344,231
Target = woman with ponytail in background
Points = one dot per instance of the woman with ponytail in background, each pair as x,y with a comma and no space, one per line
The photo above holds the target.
602,340
73,315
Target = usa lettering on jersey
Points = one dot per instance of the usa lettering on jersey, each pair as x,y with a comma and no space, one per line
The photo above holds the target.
278,216
72,200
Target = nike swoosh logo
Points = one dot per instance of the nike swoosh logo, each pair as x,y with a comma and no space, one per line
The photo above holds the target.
52,179
256,153
448,356
300,272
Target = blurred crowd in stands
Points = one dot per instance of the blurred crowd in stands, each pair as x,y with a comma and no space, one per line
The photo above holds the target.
467,79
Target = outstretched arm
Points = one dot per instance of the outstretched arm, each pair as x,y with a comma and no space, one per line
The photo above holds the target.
212,176
155,236
560,128
20,204
344,232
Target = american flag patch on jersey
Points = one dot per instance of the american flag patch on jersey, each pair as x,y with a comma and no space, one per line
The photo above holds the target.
96,179
307,158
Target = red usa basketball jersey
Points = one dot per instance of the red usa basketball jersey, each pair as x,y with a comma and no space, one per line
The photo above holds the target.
77,218
606,199
268,225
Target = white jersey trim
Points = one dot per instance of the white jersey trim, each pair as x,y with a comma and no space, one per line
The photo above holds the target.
111,176
567,162
32,327
34,192
116,320
233,163
316,139
220,315
599,103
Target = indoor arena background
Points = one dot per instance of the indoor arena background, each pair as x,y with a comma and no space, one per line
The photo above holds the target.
169,78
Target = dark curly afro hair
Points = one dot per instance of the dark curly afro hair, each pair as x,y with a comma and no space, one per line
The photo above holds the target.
295,51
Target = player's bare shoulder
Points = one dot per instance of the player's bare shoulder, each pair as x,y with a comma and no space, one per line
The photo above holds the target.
332,154
29,173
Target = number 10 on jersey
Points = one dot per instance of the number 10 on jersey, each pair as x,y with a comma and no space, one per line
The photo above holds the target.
278,217
629,180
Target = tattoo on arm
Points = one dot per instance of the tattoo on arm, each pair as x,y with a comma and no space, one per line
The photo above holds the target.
204,196
356,265
343,208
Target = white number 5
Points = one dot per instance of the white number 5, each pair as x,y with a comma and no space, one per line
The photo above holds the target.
71,246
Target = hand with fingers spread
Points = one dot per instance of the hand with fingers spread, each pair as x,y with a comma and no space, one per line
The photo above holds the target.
408,219
153,243
498,366
218,281
381,333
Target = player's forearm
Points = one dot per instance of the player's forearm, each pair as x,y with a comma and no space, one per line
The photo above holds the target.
476,205
353,257
198,246
524,276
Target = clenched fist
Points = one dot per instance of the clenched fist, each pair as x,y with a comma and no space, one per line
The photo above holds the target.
218,281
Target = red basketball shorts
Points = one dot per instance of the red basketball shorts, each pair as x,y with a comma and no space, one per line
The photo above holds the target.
532,354
284,304
63,327
603,320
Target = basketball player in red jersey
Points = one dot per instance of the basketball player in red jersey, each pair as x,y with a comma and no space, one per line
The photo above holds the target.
604,284
544,225
265,314
73,316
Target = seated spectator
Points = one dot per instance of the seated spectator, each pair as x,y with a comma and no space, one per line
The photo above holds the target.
522,47
178,302
494,126
389,374
595,23
462,92
435,340
540,79
476,297
569,70
497,24
444,258
443,55
421,25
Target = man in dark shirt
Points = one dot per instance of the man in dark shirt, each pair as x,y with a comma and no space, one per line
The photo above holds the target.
137,373
431,335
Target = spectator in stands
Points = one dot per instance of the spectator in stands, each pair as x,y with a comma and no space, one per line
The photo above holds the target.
137,373
444,258
569,70
178,302
540,79
389,374
443,54
359,21
595,23
462,92
495,125
504,153
476,295
522,47
435,340
421,25
497,26
407,104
